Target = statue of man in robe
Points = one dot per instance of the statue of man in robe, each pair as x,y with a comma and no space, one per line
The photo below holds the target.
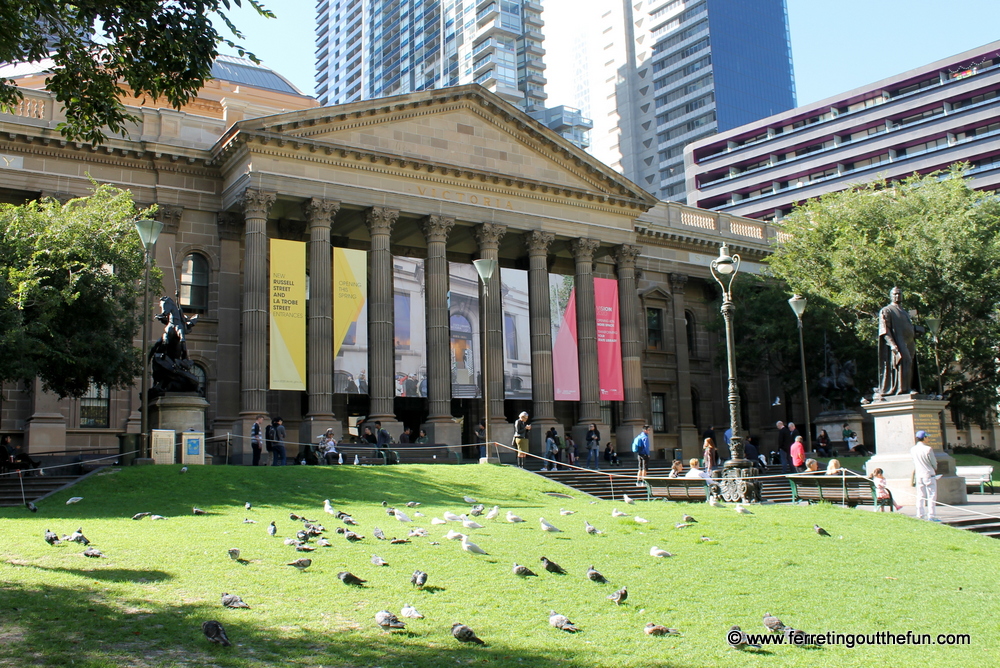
896,349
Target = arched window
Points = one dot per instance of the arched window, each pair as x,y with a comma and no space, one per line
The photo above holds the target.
194,283
691,330
199,372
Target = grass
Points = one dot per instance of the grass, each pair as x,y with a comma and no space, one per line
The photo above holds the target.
143,605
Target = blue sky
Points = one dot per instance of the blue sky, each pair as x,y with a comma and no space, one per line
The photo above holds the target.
836,45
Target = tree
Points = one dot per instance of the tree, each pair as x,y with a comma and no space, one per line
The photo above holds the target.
933,236
70,281
155,48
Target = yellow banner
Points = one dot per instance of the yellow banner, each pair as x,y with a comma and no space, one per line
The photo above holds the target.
350,290
288,315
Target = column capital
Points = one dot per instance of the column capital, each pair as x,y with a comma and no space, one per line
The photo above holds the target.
583,249
256,203
489,235
626,254
170,216
538,242
230,225
380,220
437,227
320,212
677,282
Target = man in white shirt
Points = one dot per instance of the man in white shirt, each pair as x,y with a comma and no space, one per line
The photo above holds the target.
925,472
696,472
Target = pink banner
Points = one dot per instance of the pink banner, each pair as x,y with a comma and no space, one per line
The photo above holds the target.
565,363
609,341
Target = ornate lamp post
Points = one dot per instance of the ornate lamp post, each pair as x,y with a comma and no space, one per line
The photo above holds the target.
798,304
149,231
733,484
485,269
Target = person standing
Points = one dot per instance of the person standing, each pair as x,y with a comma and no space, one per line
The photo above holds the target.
520,441
784,445
640,446
479,436
798,455
382,437
594,446
280,456
708,454
925,476
257,439
551,450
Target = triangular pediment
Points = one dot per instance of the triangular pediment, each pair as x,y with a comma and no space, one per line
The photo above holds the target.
465,129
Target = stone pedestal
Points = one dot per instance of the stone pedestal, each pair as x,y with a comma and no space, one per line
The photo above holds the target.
444,433
180,411
833,422
45,430
897,419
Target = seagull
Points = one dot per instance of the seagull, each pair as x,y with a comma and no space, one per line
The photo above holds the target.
741,642
463,633
75,499
454,535
652,629
246,520
388,621
402,517
617,513
411,612
234,553
31,506
548,527
619,596
418,579
494,512
157,517
92,552
247,505
304,548
379,561
628,499
417,532
198,511
349,578
184,469
641,520
272,530
340,458
552,567
469,499
706,539
472,547
689,519
523,571
301,564
595,576
139,516
233,601
417,513
51,538
714,502
451,517
820,530
323,542
773,624
438,521
412,504
378,533
213,631
512,518
776,402
356,460
561,622
682,525
327,508
741,510
563,511
471,524
397,541
590,528
657,552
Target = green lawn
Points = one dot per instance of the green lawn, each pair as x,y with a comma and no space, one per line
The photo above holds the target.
143,605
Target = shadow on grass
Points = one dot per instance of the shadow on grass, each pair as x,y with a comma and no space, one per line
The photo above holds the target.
107,574
48,626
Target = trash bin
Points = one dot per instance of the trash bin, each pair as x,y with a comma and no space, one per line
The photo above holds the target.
678,454
127,446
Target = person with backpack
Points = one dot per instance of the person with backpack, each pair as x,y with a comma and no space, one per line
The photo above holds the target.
279,456
640,446
257,439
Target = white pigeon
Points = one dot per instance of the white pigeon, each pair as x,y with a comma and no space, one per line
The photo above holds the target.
401,516
657,552
438,520
411,612
628,499
340,458
641,520
714,502
548,527
75,499
469,499
327,508
157,517
617,513
454,535
512,518
590,528
494,513
472,547
356,460
471,524
741,510
563,511
184,469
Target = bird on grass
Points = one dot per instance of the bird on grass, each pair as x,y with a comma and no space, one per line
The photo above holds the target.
379,561
563,511
641,520
682,525
78,537
323,542
184,469
304,548
397,541
234,553
561,622
246,520
438,521
233,601
738,640
412,504
378,533
451,517
51,537
494,513
471,524
418,579
687,518
595,575
213,631
652,629
388,621
454,535
402,517
139,516
411,612
418,532
523,571
327,508
349,578
301,564
472,547
469,499
619,596
795,637
714,502
552,567
741,510
353,537
477,510
546,526
31,506
657,552
75,499
157,517
247,505
628,499
773,624
198,511
820,530
272,530
617,513
590,528
93,552
463,633
512,518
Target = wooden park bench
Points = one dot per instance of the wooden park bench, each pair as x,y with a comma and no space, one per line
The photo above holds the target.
425,454
679,489
976,475
366,455
846,490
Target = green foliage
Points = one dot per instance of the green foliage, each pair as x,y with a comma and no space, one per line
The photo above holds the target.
933,236
160,49
70,281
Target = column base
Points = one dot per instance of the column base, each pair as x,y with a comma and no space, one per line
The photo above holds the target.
45,431
315,426
443,432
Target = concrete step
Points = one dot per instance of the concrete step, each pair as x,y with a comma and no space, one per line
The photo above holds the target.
35,487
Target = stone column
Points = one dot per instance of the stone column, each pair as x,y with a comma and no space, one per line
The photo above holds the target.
227,394
45,430
491,326
634,408
586,339
687,430
440,426
540,323
319,214
381,345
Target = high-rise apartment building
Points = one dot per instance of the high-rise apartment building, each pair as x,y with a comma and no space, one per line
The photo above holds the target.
667,72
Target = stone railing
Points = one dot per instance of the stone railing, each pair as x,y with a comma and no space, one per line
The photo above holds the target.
674,220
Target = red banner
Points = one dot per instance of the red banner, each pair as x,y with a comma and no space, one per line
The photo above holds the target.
609,340
565,364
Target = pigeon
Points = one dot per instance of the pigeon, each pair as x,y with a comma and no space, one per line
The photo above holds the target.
247,520
385,504
472,547
295,518
304,548
397,541
92,552
353,537
356,460
340,458
301,564
590,528
401,516
820,530
184,469
292,541
494,513
741,510
157,517
773,624
561,622
411,612
378,533
463,633
323,542
552,567
348,520
471,524
548,527
438,521
641,520
563,511
652,629
31,506
272,530
233,601
706,539
388,621
512,518
657,552
302,535
687,518
213,631
198,511
737,639
477,510
247,505
454,535
714,502
327,508
795,637
619,596
234,553
51,538
451,517
617,513
412,504
523,571
418,579
139,516
682,525
595,576
379,561
349,578
78,537
417,532
469,499
628,499
75,499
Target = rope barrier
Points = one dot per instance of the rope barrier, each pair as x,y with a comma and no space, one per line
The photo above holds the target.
41,470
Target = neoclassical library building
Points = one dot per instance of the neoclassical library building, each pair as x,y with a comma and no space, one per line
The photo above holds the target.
328,252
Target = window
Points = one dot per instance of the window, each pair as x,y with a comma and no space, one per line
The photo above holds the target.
199,373
654,329
95,408
194,283
657,404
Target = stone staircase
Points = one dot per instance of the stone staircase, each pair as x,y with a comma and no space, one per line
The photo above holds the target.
988,526
35,487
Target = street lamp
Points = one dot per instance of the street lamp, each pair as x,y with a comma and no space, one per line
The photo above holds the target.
733,483
485,269
934,324
798,304
149,231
